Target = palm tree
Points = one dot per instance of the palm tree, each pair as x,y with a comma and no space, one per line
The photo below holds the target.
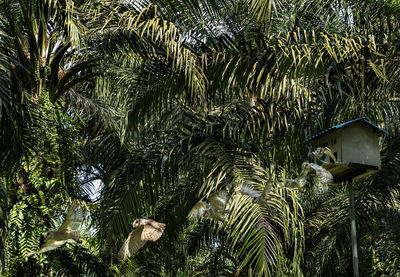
193,98
265,88
223,147
51,54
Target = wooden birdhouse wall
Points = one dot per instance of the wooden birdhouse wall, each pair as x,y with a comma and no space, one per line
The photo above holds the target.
355,144
360,145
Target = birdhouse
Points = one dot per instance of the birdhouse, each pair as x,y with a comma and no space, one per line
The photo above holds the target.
355,145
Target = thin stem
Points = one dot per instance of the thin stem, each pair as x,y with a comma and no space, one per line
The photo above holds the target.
353,231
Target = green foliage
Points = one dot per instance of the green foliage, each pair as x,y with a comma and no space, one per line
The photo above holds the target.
390,268
166,102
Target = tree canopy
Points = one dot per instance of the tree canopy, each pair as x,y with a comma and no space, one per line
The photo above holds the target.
150,109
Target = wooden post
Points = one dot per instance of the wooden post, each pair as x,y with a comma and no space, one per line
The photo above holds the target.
353,230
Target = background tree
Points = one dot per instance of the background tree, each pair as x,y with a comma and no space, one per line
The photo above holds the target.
167,102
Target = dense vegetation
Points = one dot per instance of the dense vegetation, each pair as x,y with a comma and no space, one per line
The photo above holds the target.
164,102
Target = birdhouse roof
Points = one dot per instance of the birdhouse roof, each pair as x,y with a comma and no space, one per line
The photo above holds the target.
360,120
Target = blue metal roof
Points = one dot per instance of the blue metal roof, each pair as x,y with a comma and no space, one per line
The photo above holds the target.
361,119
